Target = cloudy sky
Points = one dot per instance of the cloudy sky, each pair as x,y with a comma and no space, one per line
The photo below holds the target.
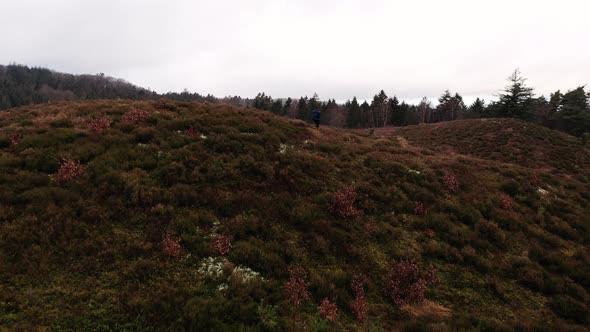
337,48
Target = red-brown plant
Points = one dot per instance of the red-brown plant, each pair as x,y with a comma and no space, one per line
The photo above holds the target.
429,232
135,116
328,310
451,182
420,209
535,179
359,305
191,132
100,124
506,202
342,204
15,138
68,171
371,227
221,244
406,284
171,245
295,290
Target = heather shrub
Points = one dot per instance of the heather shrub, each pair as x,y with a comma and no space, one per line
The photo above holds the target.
15,138
163,104
451,183
221,244
506,202
68,170
511,187
100,124
568,308
144,135
406,283
38,160
171,245
295,291
62,123
191,132
342,204
419,209
490,231
359,305
5,141
268,316
134,117
328,310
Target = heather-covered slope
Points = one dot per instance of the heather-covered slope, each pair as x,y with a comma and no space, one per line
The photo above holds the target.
186,216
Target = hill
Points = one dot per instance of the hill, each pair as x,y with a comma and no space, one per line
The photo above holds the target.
160,215
21,85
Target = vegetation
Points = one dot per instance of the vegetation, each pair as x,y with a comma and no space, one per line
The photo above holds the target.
179,216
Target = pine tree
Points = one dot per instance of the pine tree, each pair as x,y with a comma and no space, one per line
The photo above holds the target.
287,106
573,115
353,109
516,99
303,111
277,107
476,110
379,108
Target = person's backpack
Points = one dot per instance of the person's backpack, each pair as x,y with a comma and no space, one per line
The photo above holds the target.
315,116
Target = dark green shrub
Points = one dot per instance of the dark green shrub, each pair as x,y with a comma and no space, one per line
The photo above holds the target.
62,123
568,308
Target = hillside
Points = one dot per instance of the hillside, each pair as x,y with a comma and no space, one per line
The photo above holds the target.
195,216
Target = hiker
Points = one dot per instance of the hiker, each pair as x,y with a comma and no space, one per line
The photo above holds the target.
315,116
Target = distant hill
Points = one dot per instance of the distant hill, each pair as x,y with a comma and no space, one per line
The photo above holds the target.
21,85
161,215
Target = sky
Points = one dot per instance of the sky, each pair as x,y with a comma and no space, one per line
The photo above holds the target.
335,48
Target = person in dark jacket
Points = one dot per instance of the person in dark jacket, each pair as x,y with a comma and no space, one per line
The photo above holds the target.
315,116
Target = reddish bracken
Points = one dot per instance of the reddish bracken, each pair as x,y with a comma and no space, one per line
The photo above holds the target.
506,202
221,244
68,171
405,284
358,283
429,232
359,305
328,310
535,179
420,209
15,138
371,227
191,132
135,116
451,183
343,203
171,245
100,124
295,290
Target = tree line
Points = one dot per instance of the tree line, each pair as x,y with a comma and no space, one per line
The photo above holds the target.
569,112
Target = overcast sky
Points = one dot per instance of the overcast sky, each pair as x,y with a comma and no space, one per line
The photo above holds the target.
337,48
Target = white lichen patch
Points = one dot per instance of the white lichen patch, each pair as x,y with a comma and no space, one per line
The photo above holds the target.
211,267
283,148
246,274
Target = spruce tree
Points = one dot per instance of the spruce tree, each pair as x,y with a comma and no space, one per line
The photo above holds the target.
516,99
